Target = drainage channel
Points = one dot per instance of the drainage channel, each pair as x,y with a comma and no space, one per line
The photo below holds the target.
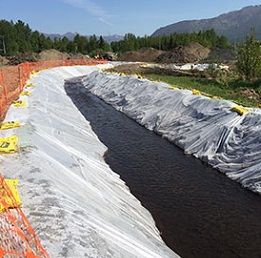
199,211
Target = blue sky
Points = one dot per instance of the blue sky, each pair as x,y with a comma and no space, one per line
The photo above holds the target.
108,17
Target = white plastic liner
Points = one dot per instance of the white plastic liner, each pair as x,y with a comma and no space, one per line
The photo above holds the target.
203,127
186,67
75,203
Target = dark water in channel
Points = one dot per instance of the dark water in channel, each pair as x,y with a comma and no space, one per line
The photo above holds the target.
200,212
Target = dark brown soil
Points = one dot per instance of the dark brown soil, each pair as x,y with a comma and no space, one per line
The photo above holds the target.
143,55
22,58
221,55
191,53
45,55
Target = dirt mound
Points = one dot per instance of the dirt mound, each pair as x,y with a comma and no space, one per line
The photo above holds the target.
221,55
3,61
53,54
45,55
79,56
191,53
22,58
143,55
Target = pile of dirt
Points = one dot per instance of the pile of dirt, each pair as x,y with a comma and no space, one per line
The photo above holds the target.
3,61
22,58
191,53
142,55
221,56
52,54
79,56
194,52
45,55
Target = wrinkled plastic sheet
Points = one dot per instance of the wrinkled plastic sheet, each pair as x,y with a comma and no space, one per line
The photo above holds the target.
77,206
205,128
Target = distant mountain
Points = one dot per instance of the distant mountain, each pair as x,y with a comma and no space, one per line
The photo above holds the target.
71,35
113,38
234,25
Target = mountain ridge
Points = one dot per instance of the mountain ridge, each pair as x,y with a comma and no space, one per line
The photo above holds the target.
71,35
235,25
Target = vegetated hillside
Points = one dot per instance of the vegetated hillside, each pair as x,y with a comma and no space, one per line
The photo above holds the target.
234,25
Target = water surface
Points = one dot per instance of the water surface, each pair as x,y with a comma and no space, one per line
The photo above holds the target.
199,211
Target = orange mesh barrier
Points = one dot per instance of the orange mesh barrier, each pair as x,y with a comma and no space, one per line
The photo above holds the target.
3,96
13,78
17,237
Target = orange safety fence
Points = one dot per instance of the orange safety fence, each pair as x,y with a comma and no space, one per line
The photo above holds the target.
17,237
13,78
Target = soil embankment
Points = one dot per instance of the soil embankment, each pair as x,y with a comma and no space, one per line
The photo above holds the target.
45,55
194,52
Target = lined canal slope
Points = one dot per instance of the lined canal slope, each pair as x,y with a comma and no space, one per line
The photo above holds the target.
205,128
76,204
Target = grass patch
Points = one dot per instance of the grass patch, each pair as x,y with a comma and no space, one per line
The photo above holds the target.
242,93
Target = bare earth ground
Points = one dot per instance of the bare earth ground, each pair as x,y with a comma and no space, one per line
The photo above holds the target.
45,55
142,68
193,53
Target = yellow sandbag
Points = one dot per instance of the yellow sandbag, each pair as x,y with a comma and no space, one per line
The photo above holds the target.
196,92
240,110
9,144
19,103
173,88
25,93
10,201
30,85
9,125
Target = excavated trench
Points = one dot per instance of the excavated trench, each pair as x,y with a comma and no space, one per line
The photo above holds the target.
199,211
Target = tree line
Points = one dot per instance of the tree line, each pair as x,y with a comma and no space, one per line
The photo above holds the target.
206,38
18,37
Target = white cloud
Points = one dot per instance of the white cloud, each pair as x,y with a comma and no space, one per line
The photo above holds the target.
91,8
